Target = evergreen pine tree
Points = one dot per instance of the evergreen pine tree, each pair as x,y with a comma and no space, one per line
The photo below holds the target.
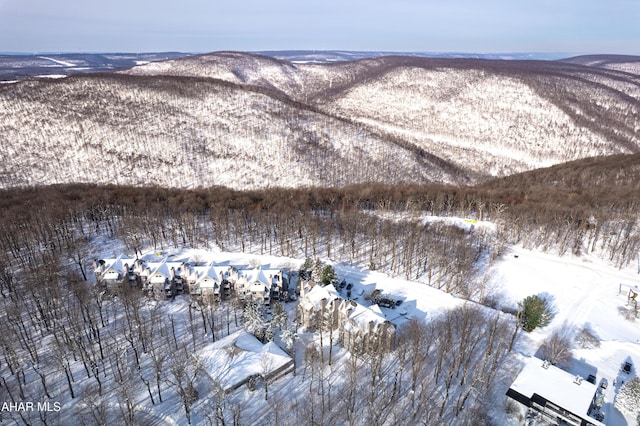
279,316
328,275
534,311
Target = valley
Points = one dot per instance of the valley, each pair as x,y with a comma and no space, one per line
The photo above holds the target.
249,122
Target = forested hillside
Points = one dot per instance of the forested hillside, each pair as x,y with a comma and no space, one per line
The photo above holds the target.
589,206
189,132
493,117
247,122
625,63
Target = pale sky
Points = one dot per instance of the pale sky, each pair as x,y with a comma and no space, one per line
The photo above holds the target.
471,26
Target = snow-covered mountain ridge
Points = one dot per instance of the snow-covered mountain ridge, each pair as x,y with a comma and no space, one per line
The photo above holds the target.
626,63
247,121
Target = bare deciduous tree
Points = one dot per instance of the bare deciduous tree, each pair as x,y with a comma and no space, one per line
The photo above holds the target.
557,347
184,369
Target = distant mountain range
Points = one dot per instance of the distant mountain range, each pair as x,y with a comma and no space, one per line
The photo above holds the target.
18,66
250,121
322,56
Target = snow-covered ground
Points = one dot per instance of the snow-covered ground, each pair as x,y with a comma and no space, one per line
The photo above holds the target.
59,62
584,289
585,293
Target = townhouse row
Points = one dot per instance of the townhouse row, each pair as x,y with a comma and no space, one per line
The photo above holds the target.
218,281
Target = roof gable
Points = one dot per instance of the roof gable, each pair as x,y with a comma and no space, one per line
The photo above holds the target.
318,293
118,264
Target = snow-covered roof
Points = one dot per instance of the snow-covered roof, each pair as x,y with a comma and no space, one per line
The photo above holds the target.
556,386
210,272
231,360
265,276
197,272
313,299
118,263
362,316
159,271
